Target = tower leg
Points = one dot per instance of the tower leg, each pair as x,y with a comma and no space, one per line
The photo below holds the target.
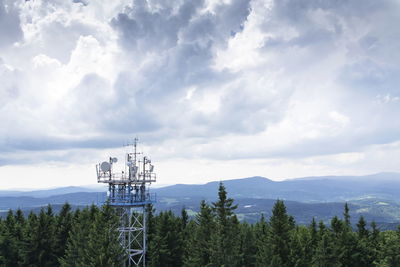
144,236
133,235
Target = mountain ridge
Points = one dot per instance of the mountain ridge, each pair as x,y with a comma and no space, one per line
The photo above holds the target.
305,189
317,189
375,198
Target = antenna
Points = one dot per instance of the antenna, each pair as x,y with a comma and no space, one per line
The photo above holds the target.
105,166
133,156
128,192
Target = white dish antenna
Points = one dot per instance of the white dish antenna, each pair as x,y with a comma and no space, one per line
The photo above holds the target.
105,166
114,160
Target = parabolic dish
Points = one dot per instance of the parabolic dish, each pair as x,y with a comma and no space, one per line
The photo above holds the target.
114,160
105,166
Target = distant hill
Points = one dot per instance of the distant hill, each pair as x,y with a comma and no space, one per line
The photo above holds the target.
79,198
307,189
373,196
43,193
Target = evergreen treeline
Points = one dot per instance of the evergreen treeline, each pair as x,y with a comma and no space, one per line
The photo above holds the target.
215,237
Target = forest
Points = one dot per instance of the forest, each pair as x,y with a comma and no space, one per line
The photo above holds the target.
213,237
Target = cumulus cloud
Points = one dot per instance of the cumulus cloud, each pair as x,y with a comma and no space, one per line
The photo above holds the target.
247,79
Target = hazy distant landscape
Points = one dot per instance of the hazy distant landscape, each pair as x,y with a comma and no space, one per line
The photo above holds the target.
373,196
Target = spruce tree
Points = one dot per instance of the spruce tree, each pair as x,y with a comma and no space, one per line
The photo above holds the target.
20,224
325,255
389,249
225,240
248,247
168,239
184,234
78,239
280,234
346,215
301,250
9,250
366,254
184,218
30,243
313,234
346,248
104,249
150,231
63,228
373,241
351,252
321,229
40,242
337,226
199,244
362,231
263,248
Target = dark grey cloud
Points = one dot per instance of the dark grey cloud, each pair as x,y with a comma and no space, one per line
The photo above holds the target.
185,39
102,109
10,28
146,30
320,24
83,2
333,145
45,143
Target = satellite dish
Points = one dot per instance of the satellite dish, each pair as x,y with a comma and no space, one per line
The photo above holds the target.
105,166
114,160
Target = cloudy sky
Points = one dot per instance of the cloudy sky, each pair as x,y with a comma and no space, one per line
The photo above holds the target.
214,89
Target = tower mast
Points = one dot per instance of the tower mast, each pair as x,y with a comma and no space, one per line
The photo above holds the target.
128,192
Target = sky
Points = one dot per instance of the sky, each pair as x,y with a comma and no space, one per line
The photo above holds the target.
214,89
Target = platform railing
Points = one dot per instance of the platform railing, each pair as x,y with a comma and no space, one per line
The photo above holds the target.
106,177
132,199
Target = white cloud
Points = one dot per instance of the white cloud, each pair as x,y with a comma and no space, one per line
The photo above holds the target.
309,83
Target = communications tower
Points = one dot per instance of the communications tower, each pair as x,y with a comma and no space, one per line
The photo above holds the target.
128,192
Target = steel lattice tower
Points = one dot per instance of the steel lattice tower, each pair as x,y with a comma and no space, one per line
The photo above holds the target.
128,192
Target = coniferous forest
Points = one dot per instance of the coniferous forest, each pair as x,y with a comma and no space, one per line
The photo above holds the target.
214,237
